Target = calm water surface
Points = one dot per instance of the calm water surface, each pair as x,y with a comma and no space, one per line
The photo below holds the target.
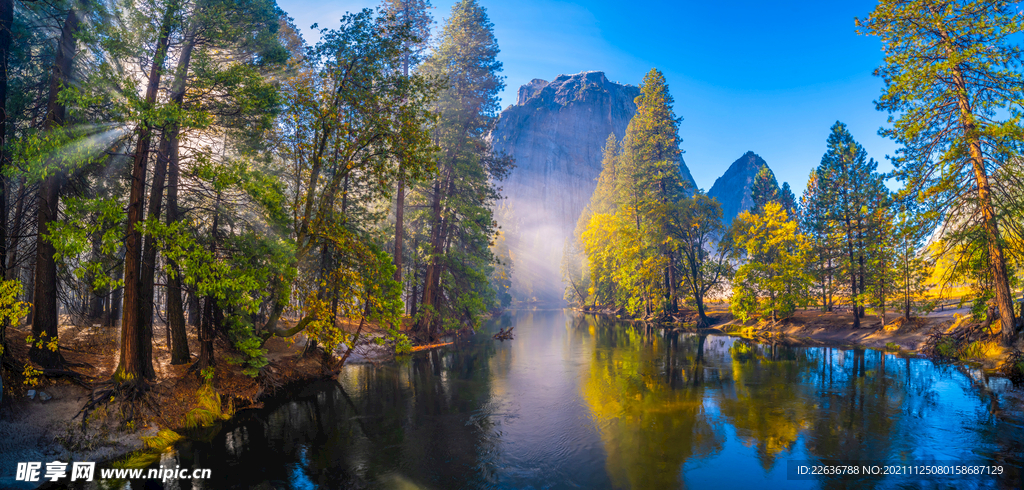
580,402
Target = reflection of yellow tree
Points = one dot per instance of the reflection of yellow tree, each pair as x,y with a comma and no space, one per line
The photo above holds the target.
648,429
767,409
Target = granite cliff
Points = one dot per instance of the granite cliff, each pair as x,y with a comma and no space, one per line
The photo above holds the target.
555,132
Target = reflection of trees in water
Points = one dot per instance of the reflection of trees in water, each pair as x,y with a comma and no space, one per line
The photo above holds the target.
846,409
766,404
659,400
650,417
863,398
415,420
648,391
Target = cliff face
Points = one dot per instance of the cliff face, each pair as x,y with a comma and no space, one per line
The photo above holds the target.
733,188
556,132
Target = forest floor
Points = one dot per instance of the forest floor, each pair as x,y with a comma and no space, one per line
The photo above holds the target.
34,429
814,327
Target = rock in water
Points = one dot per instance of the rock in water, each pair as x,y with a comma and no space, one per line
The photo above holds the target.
733,188
555,132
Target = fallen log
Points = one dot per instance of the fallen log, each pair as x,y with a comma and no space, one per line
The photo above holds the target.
504,334
430,346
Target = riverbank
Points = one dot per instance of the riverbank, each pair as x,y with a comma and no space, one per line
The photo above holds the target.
40,420
835,329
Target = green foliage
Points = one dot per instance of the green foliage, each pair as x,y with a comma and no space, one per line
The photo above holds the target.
244,339
208,409
773,280
627,233
456,206
847,214
954,89
979,306
891,346
703,247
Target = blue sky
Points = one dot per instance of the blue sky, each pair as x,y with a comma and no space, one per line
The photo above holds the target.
771,77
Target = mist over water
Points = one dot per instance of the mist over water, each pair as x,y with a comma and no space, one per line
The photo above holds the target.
536,237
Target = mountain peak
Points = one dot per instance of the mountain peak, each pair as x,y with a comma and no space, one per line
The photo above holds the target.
733,188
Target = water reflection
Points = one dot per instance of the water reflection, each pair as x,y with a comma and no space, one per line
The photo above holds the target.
582,402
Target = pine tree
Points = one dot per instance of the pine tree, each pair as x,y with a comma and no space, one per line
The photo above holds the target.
45,306
825,239
765,189
459,200
953,87
650,182
850,190
409,17
633,258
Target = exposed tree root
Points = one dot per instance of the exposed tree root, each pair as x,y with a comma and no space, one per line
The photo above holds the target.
130,396
75,377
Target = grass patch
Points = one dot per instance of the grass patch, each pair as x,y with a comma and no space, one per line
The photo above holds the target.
162,441
209,409
1013,367
948,347
892,347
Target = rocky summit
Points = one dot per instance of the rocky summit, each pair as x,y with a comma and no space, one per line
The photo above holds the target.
555,132
733,188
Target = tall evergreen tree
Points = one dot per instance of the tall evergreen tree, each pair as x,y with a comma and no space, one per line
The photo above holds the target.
459,200
824,237
633,257
765,189
849,192
410,16
46,308
649,179
953,84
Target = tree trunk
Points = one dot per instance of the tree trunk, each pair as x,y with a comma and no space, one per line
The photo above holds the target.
206,334
432,277
45,307
194,309
997,262
136,339
168,138
13,270
175,312
6,21
114,314
399,226
415,282
670,278
853,276
860,259
95,307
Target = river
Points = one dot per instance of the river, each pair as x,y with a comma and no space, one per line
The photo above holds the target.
581,402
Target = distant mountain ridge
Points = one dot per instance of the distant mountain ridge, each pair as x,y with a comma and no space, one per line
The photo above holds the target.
733,188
